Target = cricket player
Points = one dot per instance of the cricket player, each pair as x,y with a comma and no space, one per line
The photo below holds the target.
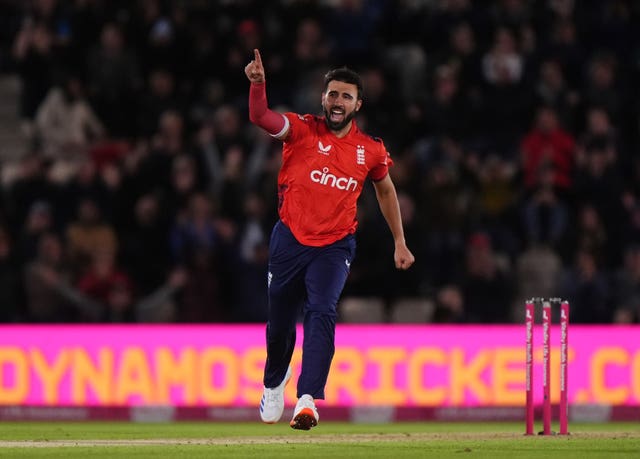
326,161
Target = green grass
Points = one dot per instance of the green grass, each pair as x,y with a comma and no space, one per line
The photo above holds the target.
328,440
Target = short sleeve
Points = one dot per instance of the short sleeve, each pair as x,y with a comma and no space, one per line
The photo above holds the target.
299,126
381,169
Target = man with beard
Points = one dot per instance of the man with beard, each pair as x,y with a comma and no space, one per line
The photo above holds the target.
325,163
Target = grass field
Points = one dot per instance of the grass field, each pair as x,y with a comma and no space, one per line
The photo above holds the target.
328,440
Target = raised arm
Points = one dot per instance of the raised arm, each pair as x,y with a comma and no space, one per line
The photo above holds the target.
274,123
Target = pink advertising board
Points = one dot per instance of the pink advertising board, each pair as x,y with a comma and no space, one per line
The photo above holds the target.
218,365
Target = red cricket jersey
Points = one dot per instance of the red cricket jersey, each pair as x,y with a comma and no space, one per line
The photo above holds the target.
322,177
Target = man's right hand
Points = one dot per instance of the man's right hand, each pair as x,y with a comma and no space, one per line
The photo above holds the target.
254,69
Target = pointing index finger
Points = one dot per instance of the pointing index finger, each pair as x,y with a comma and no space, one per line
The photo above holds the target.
257,57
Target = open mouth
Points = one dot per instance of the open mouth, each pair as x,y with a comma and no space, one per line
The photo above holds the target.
336,114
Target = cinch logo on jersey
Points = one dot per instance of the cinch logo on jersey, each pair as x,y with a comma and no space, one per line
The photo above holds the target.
323,177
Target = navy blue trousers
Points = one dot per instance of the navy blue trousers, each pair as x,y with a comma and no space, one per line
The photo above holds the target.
304,281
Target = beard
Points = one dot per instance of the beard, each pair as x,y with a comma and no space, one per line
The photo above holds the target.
334,125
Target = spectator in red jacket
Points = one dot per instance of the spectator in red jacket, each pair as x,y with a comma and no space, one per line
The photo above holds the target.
547,144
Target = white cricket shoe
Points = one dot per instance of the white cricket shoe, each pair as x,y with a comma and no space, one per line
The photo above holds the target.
305,415
272,403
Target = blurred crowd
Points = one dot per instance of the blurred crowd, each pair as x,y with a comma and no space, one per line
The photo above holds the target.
145,195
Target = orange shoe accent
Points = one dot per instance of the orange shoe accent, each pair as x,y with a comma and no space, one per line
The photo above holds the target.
304,420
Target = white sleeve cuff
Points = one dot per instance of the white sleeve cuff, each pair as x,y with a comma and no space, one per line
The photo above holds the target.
284,129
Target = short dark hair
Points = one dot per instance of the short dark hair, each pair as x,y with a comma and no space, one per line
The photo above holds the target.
346,75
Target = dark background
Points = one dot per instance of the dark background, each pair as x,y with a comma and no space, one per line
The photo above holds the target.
141,192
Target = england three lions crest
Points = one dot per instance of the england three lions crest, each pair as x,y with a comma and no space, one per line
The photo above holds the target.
360,158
